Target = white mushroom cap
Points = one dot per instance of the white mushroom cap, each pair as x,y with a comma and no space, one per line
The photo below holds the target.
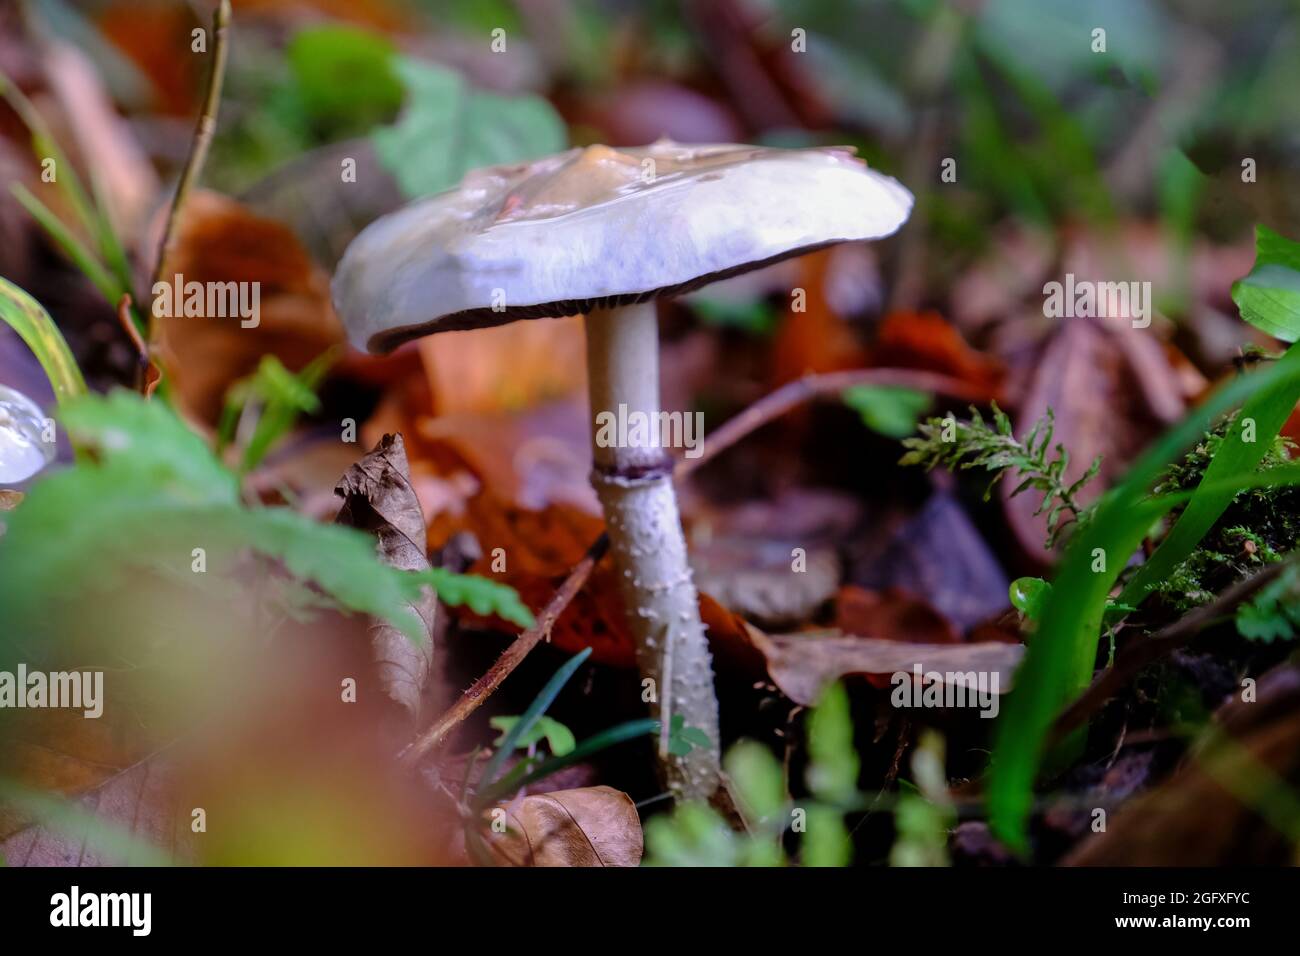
599,227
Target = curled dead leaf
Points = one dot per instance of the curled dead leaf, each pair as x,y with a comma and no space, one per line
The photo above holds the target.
378,497
592,826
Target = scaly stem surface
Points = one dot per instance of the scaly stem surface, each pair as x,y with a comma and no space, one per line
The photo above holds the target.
634,483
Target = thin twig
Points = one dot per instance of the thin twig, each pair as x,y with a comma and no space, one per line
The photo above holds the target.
147,372
203,132
760,413
1147,649
811,386
510,657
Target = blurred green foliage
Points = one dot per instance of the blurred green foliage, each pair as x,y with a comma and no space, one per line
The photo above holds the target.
697,835
448,128
888,410
150,492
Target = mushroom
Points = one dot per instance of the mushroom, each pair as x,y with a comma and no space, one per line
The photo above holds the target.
604,233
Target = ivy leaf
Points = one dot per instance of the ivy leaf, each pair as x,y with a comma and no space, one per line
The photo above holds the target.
447,129
683,739
1269,297
888,410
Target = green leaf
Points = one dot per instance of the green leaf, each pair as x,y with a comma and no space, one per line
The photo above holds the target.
524,773
758,780
833,766
695,835
447,129
1274,614
345,77
481,595
559,738
530,716
1269,297
35,327
153,491
282,397
826,841
1267,409
1027,596
754,316
147,438
1059,661
891,411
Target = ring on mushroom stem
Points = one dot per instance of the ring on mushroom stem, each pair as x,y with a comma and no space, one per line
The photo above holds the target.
604,233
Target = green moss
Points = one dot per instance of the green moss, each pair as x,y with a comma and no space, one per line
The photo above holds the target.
1258,528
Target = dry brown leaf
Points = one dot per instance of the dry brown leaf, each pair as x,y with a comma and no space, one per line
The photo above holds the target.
139,801
817,339
1112,391
506,368
378,498
923,340
593,826
754,578
803,664
219,240
892,615
935,551
534,458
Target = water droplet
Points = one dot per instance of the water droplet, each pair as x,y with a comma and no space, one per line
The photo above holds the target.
22,451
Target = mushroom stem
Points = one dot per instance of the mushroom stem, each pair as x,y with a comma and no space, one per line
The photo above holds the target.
633,480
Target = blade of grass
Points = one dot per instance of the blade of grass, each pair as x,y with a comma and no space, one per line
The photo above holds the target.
1269,409
538,707
44,146
83,258
1059,661
35,327
520,776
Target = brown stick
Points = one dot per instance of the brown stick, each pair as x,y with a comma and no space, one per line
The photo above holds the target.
760,413
147,372
510,657
203,132
811,386
1147,649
